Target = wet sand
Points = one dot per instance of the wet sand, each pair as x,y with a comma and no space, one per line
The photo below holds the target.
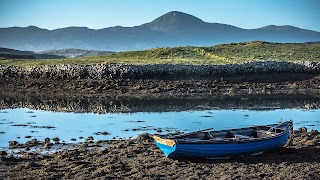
141,159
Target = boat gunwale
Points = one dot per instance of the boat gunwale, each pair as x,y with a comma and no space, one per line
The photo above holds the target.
288,125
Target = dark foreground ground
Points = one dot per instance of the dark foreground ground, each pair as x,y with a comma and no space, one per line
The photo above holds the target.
141,159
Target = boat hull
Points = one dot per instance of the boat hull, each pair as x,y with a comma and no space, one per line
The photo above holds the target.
207,149
221,150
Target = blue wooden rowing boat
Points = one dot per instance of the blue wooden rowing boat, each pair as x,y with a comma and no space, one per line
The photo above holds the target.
224,143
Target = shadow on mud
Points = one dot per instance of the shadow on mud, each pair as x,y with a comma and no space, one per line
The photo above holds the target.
285,156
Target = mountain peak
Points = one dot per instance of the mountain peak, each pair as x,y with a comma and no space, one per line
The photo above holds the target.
179,16
174,20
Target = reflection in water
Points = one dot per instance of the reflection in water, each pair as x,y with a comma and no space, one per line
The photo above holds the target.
24,124
98,105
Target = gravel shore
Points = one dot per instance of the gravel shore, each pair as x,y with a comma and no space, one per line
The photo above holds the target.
141,159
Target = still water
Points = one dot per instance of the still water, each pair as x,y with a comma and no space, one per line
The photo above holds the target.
21,123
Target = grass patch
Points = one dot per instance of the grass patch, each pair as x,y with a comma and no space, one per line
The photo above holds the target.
233,53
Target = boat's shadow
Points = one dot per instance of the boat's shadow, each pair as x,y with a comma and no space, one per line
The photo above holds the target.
284,155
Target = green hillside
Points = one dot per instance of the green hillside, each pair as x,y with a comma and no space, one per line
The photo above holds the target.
219,54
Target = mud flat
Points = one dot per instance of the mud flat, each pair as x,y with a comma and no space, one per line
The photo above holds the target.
141,159
161,81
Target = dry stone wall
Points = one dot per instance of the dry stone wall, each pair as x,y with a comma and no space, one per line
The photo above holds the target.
114,71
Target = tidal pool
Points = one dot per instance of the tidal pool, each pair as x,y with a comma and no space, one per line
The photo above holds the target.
24,124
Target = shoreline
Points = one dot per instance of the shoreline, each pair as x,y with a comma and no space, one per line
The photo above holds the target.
117,88
162,81
140,158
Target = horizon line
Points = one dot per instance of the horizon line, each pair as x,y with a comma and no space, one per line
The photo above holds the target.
80,26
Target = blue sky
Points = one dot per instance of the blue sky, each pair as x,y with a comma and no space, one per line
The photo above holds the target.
97,14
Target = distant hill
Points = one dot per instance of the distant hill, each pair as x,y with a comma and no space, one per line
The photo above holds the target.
225,53
169,30
16,54
50,54
233,53
71,53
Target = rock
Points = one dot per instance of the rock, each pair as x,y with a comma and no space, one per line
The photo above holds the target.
314,132
31,164
47,146
90,138
33,142
14,144
85,144
56,140
102,133
303,130
3,153
144,137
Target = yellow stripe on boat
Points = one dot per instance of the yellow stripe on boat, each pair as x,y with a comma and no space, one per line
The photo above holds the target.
167,142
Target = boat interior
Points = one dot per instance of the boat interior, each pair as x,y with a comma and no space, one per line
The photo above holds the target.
232,134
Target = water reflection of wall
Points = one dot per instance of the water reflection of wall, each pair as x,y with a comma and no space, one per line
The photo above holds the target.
99,105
